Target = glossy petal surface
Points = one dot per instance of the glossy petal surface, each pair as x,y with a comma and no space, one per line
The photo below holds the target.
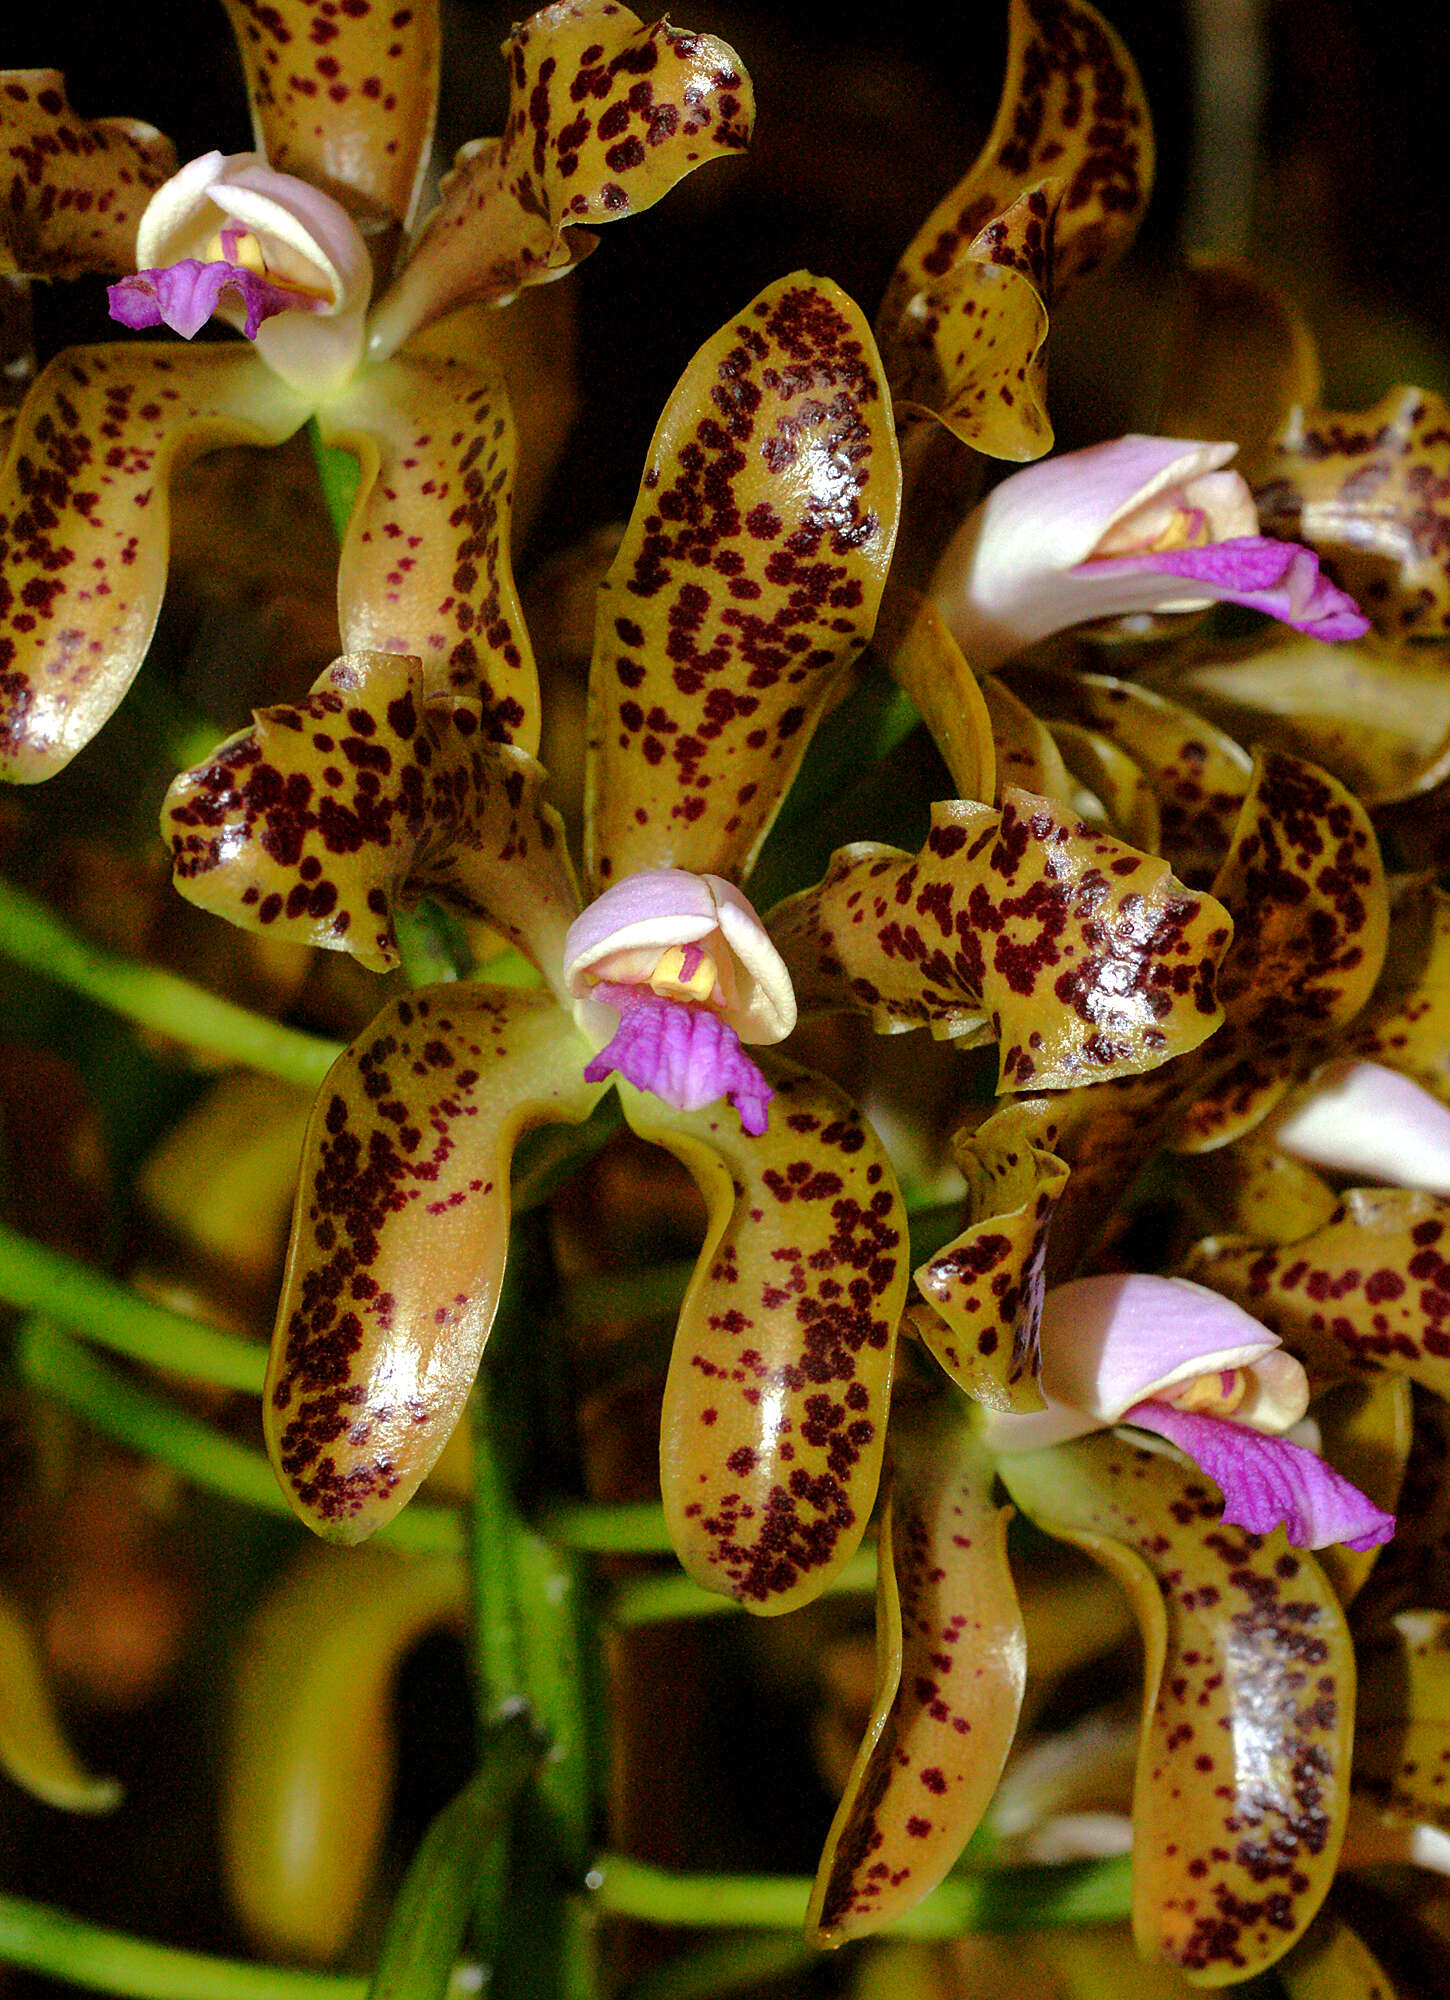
1243,1770
605,116
1402,1731
747,582
75,187
951,1664
1088,958
775,1409
343,99
84,525
426,562
400,1238
313,824
985,1286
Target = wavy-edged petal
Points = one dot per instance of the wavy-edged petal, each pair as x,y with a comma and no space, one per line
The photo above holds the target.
84,525
747,583
1243,1769
605,116
1089,959
399,1241
687,1057
1281,579
951,1666
426,565
775,1408
1365,1431
986,1286
75,188
346,98
318,821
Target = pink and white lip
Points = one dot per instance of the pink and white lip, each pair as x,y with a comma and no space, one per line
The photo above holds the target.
1139,524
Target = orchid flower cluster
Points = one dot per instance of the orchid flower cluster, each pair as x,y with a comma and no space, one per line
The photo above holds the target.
1151,882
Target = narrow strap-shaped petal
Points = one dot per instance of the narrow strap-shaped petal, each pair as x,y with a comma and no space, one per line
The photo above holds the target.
775,1408
400,1238
1243,1767
74,187
913,639
747,583
84,525
951,1665
316,822
426,563
605,116
1402,1729
344,98
1090,960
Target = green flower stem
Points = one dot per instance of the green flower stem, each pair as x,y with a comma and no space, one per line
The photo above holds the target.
656,1600
340,475
33,936
724,1966
128,1412
1007,1899
636,1529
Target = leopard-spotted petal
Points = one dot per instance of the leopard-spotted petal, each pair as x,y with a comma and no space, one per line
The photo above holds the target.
425,564
84,525
1088,958
74,187
400,1238
605,116
344,97
315,823
951,1666
747,583
775,1409
1402,1731
1243,1769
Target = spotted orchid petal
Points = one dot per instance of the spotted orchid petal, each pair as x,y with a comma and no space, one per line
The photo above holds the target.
1114,529
951,1666
74,187
1402,1726
687,1057
400,1238
345,100
775,1407
1406,1024
1026,756
426,559
84,525
315,823
1370,1123
605,116
1243,1765
747,583
1056,191
1087,958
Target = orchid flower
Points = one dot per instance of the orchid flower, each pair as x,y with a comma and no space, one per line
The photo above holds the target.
1171,1357
280,244
1135,525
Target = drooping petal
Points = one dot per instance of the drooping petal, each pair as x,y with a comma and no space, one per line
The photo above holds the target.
400,1238
184,296
316,822
35,1751
911,636
1279,578
345,99
1268,1483
1088,958
687,1057
951,1665
1243,1768
426,565
75,188
84,525
605,116
747,583
1371,1123
775,1408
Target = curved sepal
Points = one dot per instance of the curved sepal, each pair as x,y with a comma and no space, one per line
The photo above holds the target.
1333,1962
426,565
1243,1768
1130,810
399,1241
1242,359
318,821
1369,1290
775,1408
343,98
74,187
1027,757
1088,958
912,638
1306,886
986,1286
1402,1731
605,116
1406,1024
951,1663
34,1750
84,525
747,583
